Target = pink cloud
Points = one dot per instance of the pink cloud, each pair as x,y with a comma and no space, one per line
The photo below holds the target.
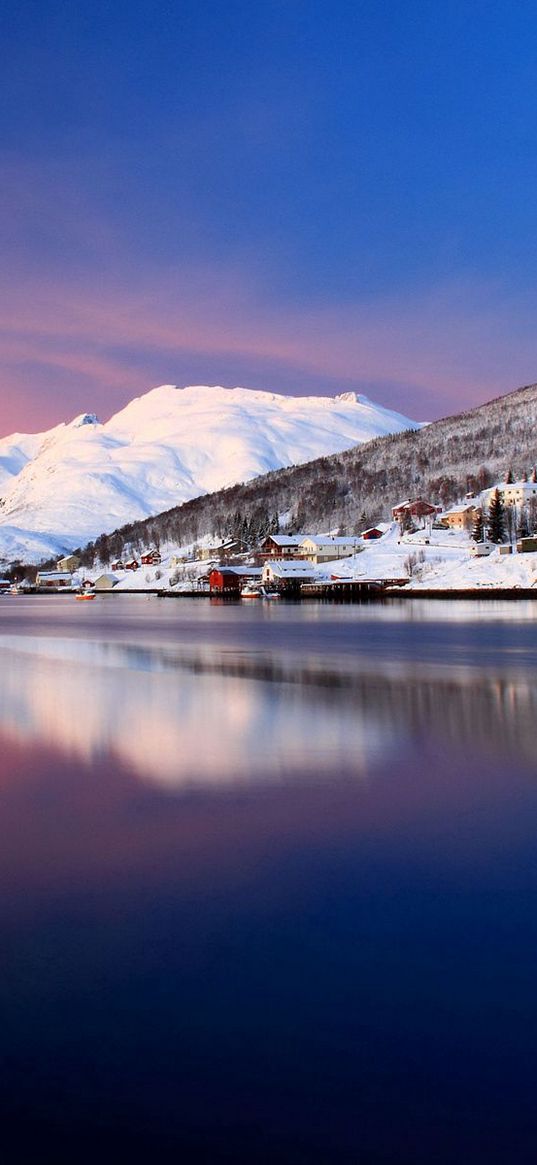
447,349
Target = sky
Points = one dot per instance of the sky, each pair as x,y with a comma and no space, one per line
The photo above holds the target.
307,196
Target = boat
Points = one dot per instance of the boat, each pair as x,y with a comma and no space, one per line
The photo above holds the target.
251,590
85,596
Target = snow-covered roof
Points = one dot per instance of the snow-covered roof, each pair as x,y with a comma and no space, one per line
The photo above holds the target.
252,571
54,574
295,569
462,509
503,485
287,539
328,540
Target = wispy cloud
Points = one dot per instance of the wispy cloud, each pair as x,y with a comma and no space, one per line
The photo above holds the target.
427,354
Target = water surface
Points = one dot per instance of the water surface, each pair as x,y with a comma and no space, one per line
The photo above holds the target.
269,881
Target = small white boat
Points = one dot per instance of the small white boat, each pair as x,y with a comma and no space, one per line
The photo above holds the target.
251,590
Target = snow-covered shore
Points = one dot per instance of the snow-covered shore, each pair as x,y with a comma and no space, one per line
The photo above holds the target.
436,560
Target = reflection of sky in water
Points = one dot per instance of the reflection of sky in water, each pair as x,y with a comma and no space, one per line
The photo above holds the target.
173,721
184,709
310,967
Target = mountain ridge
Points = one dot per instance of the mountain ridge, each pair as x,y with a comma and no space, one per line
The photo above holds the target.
61,488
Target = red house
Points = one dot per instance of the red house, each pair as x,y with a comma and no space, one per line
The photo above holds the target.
371,534
229,580
132,565
281,546
151,558
414,508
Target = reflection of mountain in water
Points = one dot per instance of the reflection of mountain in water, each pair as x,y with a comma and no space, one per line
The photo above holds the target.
217,716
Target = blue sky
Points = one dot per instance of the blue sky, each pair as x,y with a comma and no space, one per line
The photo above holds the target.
298,195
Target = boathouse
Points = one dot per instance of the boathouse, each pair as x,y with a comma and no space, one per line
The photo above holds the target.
287,576
229,580
53,580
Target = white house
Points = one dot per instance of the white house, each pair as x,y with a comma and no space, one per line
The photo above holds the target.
282,574
105,582
53,580
512,493
324,548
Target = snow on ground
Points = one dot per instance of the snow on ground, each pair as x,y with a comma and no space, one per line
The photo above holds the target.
437,560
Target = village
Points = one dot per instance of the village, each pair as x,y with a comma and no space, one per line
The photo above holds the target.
488,542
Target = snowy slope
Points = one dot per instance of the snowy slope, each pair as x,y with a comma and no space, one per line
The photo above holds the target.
62,488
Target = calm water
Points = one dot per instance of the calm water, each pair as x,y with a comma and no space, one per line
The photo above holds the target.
268,882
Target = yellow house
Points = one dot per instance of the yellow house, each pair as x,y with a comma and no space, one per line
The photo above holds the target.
460,517
70,563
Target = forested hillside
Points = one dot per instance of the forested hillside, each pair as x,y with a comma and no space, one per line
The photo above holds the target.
349,490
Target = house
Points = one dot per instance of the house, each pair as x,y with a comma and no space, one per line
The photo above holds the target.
53,580
287,576
208,553
461,517
105,582
324,548
116,566
70,563
282,546
151,558
228,580
414,508
5,585
132,565
370,534
512,493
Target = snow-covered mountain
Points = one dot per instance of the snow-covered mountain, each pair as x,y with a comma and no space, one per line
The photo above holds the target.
62,488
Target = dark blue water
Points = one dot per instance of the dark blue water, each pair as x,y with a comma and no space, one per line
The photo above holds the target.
269,882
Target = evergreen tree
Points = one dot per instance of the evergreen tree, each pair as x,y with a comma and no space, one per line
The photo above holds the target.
533,477
496,518
478,529
509,479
